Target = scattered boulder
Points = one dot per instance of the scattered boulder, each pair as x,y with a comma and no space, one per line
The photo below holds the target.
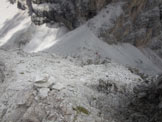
107,86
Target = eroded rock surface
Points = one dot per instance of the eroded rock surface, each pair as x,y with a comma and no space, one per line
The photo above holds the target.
70,12
2,70
54,91
44,87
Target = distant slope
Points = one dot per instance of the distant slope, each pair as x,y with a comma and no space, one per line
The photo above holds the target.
17,32
82,43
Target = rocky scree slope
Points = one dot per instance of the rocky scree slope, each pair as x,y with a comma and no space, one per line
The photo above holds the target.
54,91
111,91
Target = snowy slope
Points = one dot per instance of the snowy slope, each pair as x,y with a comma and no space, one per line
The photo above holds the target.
13,23
7,12
44,37
17,30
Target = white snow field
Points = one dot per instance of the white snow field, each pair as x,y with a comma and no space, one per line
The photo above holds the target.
17,31
13,23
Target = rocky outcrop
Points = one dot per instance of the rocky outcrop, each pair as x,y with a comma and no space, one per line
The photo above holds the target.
148,104
139,24
2,75
72,13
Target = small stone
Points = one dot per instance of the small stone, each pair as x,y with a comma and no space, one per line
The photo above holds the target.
58,86
44,82
42,79
160,105
141,95
43,92
44,85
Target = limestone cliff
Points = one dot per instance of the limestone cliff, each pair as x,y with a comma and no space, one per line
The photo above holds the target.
140,24
70,12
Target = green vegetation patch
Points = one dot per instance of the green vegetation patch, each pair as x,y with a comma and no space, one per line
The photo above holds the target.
22,73
81,109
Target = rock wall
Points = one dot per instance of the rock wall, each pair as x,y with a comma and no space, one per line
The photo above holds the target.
2,69
140,24
70,12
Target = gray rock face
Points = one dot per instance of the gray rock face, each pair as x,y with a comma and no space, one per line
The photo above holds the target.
2,75
149,104
139,23
70,12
